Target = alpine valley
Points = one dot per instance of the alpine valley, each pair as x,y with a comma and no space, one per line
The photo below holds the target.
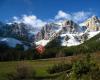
69,32
58,34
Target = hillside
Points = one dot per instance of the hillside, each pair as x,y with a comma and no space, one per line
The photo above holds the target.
41,66
89,46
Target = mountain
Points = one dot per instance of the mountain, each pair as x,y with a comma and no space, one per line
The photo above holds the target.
10,41
19,31
76,39
53,30
19,41
13,43
92,24
14,34
70,33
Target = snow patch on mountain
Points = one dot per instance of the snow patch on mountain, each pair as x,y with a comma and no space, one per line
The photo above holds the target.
12,42
92,34
71,41
82,24
42,42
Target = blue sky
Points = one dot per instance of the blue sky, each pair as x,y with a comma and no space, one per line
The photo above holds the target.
47,9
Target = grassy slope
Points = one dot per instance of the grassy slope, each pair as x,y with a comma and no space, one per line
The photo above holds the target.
40,65
89,46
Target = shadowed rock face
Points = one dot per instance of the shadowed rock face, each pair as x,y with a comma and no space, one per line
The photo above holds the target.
47,31
16,30
52,30
70,27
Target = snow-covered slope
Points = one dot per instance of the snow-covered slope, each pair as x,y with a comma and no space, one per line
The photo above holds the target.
12,42
76,39
42,42
69,40
92,34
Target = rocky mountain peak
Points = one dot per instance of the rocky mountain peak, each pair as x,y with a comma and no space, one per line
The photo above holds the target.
92,24
70,26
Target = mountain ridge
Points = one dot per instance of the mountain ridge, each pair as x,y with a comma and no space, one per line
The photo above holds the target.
76,33
71,33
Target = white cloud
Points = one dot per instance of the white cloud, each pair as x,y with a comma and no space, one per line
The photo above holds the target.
77,16
31,20
37,24
15,18
81,16
61,14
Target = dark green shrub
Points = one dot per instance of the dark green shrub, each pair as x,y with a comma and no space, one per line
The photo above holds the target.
59,68
85,69
23,71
